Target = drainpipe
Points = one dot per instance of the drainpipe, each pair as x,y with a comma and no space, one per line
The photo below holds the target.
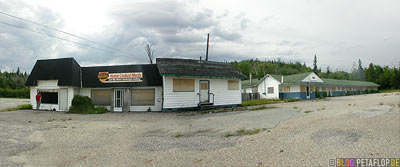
282,79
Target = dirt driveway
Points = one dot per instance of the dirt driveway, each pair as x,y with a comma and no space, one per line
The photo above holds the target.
353,126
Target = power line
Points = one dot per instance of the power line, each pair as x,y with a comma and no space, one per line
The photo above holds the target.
93,47
115,50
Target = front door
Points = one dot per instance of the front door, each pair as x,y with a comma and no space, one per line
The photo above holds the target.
204,91
308,91
118,100
63,99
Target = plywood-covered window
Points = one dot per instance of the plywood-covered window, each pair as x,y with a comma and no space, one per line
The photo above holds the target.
233,85
270,90
286,88
302,88
334,88
204,86
324,89
183,85
143,97
312,88
101,97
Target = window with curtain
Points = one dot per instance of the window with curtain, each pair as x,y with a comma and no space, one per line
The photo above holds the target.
143,97
183,85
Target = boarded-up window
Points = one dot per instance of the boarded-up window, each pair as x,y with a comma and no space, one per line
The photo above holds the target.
233,85
101,97
323,88
204,85
183,85
334,88
286,88
143,97
270,90
302,88
312,88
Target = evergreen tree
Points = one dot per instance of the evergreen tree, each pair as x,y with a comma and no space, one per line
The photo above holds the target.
315,69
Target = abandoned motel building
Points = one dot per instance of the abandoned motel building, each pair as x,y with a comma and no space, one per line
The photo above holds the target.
303,86
171,84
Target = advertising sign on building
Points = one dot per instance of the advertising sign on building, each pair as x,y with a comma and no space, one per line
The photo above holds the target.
105,77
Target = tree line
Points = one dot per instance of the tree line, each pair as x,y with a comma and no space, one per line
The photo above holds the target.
387,77
12,84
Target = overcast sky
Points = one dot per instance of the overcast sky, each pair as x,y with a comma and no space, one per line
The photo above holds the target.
339,31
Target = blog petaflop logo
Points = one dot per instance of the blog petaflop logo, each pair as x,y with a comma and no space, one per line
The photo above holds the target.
105,77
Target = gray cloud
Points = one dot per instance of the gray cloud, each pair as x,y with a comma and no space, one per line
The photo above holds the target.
179,29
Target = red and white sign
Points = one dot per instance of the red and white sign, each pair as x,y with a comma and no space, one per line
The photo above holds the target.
105,77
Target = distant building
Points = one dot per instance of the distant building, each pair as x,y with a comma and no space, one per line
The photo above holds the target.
171,84
304,86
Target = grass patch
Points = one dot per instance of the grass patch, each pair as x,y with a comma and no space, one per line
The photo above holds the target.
295,107
51,120
20,107
381,103
308,111
262,108
291,100
261,102
349,104
243,132
398,105
178,135
389,91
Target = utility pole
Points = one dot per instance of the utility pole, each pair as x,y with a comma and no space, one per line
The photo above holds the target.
208,41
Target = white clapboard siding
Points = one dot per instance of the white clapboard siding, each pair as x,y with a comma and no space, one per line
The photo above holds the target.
157,104
223,96
219,87
263,88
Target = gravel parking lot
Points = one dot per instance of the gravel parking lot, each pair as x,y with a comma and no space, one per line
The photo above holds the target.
6,103
351,126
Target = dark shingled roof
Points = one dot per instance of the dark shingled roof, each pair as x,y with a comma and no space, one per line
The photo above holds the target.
197,68
65,70
151,76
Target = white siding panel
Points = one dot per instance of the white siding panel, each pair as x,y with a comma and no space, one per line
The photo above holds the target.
179,99
33,92
269,82
45,83
294,88
85,92
219,87
223,96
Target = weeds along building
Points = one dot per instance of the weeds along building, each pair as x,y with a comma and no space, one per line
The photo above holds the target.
168,85
304,86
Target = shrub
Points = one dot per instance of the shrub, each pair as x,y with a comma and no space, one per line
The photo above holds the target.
81,100
83,105
18,93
